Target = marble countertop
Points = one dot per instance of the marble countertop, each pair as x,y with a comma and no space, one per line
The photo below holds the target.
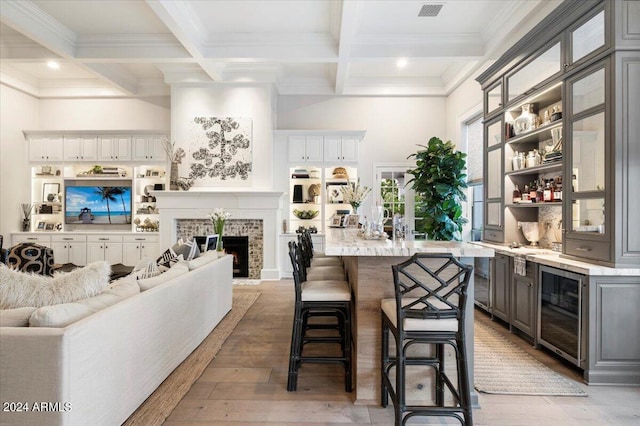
556,260
347,242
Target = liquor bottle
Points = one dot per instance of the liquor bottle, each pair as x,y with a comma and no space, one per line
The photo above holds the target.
525,194
557,189
540,192
517,195
548,192
533,193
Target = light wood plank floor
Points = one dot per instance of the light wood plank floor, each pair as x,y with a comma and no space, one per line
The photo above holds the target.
246,385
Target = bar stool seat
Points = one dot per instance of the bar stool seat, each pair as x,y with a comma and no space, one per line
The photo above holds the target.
325,290
428,310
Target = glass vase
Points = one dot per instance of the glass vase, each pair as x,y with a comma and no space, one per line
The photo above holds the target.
26,225
219,244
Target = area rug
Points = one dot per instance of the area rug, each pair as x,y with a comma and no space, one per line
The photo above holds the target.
163,400
245,281
501,367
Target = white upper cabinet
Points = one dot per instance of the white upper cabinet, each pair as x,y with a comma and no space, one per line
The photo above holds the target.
340,148
114,148
43,148
305,149
80,148
148,148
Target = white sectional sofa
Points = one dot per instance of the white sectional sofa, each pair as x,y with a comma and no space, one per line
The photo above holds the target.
99,369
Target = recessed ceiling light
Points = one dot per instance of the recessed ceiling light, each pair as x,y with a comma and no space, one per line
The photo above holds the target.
53,65
402,62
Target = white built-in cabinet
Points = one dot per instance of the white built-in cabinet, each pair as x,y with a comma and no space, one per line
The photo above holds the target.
305,149
46,148
83,248
138,247
69,249
148,148
80,148
340,149
114,148
104,247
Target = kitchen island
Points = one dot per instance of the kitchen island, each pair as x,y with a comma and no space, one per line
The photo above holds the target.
368,264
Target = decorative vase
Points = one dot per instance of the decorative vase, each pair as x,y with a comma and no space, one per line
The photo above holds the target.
173,177
527,121
26,225
219,244
218,228
355,207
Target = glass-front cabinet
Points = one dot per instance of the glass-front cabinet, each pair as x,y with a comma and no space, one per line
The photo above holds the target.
493,215
586,229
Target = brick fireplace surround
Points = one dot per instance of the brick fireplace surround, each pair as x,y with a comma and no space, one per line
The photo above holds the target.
247,208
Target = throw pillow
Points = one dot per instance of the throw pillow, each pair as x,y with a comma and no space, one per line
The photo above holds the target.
188,249
146,268
168,258
20,289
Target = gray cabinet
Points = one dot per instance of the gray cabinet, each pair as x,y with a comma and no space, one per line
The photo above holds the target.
524,295
500,287
583,62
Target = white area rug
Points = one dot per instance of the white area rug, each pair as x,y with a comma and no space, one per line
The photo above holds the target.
501,367
245,281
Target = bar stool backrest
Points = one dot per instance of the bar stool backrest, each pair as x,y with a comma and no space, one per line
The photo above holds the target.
299,273
431,286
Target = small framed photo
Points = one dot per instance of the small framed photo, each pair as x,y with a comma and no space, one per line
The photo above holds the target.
50,192
49,226
41,226
353,220
336,221
155,173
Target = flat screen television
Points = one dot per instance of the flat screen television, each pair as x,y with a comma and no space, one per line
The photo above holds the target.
103,202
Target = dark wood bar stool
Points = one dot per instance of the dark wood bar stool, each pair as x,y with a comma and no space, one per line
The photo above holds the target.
329,299
428,309
311,257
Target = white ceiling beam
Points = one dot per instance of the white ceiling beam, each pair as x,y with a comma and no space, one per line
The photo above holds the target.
127,47
28,19
348,27
416,47
184,24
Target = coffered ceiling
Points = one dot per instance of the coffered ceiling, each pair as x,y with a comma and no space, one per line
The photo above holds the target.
139,48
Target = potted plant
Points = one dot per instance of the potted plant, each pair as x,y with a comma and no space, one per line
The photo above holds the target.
439,180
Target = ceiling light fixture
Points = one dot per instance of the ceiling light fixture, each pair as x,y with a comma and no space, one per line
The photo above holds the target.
402,62
430,10
53,65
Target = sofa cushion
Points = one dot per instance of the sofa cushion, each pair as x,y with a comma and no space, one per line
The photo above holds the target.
176,270
207,257
20,289
68,313
188,249
16,317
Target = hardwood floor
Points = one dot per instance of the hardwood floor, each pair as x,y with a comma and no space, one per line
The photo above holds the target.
246,385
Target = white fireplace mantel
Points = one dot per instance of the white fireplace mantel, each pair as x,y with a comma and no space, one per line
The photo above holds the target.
197,204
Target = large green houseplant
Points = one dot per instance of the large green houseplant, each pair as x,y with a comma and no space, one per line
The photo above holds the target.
439,181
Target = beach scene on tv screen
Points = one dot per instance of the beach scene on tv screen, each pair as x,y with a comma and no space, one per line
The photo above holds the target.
98,205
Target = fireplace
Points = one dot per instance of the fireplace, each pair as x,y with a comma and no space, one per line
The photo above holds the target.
238,247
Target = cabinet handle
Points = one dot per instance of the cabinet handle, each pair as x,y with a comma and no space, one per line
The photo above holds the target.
67,239
32,238
103,239
583,249
529,284
139,239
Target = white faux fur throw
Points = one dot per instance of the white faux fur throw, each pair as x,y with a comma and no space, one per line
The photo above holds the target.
20,289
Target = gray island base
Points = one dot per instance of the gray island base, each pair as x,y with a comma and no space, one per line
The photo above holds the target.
368,264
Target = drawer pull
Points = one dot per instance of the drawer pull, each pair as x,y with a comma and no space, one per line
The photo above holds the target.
67,239
103,239
140,239
583,249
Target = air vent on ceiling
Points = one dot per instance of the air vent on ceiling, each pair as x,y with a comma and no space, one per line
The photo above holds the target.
431,9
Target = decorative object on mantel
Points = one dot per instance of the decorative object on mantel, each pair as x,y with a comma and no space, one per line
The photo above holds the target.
439,180
26,213
185,183
221,149
175,156
147,225
354,194
218,218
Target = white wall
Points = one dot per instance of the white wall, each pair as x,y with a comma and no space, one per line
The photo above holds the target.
102,114
19,111
253,101
394,125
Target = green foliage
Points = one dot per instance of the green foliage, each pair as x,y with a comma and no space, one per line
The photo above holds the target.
440,180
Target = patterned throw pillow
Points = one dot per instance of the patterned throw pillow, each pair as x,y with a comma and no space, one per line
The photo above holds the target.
188,249
146,268
168,258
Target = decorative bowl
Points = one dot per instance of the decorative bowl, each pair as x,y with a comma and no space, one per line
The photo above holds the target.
305,214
